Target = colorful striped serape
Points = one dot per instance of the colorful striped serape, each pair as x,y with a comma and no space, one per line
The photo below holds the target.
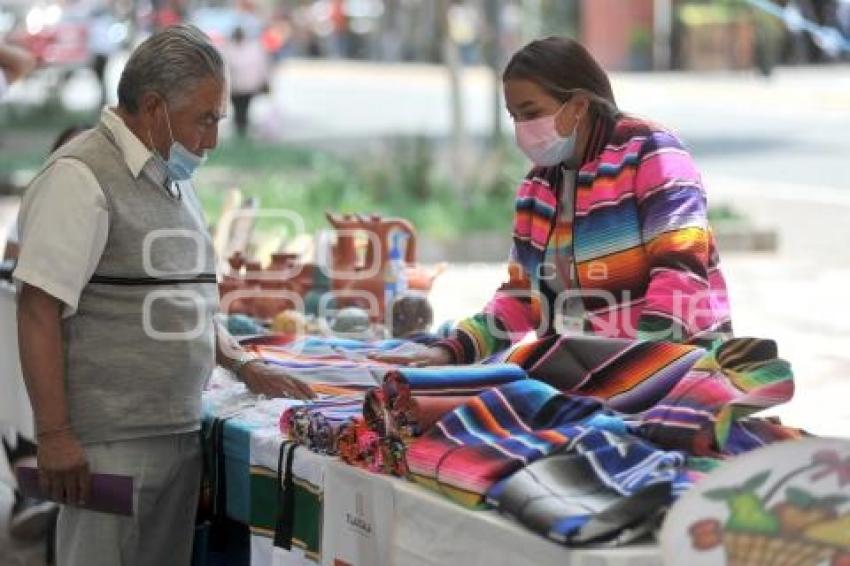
493,435
415,398
703,414
412,399
603,488
332,361
629,375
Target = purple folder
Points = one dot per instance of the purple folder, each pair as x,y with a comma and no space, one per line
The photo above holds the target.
109,493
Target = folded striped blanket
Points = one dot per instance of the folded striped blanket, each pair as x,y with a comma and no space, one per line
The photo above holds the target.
411,400
704,413
493,435
630,375
602,488
415,398
331,361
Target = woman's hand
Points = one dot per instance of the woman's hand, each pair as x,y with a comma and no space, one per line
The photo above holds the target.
419,357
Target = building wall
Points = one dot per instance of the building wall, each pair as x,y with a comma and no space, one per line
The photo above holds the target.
608,26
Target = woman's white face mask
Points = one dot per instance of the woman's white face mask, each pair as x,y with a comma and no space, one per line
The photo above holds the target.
540,141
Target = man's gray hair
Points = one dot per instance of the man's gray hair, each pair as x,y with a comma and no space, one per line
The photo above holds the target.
170,62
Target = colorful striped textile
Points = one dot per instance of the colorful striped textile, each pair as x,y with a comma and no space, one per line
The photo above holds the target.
411,400
629,375
415,398
703,413
645,257
602,488
493,435
751,433
332,362
341,373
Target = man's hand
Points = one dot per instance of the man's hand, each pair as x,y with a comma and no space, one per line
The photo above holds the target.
272,381
63,469
420,357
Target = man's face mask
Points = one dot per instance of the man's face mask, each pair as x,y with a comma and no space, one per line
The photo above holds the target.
181,163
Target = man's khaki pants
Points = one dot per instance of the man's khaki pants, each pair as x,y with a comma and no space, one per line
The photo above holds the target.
166,473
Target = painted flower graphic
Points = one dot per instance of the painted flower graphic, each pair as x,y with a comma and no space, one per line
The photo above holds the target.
832,464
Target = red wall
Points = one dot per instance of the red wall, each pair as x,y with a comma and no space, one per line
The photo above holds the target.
606,28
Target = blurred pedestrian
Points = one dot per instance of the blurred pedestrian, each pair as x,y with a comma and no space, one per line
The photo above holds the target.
102,45
15,63
842,14
249,75
464,30
340,44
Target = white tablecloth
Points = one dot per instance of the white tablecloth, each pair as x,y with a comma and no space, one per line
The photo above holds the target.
426,529
376,520
15,410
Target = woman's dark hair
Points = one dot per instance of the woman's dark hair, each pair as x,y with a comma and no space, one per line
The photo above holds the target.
561,66
67,134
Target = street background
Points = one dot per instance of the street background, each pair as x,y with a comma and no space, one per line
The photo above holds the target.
394,106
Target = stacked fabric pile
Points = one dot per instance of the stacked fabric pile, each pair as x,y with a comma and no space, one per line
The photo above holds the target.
572,468
590,451
495,434
706,412
332,366
373,430
630,375
411,400
602,488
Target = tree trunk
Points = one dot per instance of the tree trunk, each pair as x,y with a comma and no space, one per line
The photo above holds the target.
493,56
459,141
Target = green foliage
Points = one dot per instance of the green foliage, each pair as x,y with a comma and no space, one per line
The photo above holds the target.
747,510
799,498
756,481
50,117
720,494
403,179
804,499
28,132
694,14
749,514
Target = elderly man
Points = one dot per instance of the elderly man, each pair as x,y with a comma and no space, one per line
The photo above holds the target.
116,307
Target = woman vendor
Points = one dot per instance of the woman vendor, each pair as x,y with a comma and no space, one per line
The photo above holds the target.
610,232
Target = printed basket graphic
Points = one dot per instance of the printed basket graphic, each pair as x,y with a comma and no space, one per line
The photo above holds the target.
799,529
